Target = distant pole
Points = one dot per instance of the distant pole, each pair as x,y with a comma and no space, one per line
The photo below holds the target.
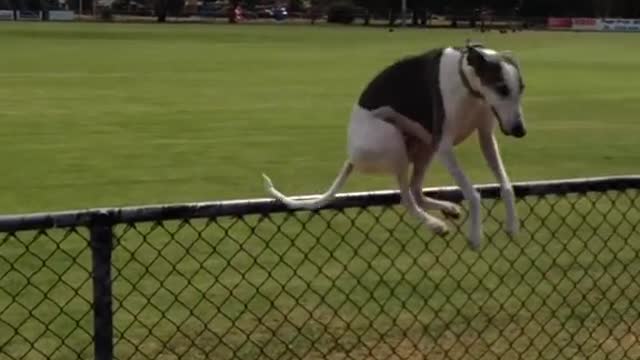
404,13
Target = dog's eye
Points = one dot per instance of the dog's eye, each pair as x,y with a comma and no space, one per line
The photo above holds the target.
503,90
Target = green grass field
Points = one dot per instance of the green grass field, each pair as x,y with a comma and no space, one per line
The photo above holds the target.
113,114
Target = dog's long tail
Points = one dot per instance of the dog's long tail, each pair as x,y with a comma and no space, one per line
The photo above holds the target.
311,204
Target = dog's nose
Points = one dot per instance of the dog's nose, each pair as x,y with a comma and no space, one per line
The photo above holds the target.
519,131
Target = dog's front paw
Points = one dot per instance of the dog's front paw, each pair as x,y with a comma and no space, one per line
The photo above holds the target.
475,238
474,242
513,223
513,226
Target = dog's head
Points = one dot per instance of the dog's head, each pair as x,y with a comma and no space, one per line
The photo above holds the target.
501,84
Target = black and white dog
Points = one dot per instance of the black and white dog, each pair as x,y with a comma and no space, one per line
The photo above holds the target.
425,105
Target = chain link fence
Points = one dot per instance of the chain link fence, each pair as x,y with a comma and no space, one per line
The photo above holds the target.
358,280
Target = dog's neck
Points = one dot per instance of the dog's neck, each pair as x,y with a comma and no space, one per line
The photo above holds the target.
464,77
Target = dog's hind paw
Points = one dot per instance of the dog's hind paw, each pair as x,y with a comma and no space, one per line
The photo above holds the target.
451,211
439,228
269,188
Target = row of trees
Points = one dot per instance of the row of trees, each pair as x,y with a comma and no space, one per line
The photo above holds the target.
420,8
583,8
391,8
524,8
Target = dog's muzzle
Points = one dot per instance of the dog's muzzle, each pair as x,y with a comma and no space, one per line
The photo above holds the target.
518,130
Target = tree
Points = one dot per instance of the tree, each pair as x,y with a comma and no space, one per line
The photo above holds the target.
295,6
564,8
503,7
168,7
75,5
633,8
33,5
419,9
317,8
537,8
463,8
371,8
602,8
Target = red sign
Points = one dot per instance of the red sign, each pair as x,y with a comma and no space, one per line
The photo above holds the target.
586,24
585,21
559,23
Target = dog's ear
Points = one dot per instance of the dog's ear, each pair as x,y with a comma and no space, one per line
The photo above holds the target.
469,44
477,59
509,57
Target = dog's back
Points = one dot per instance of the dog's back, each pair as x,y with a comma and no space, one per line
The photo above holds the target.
411,87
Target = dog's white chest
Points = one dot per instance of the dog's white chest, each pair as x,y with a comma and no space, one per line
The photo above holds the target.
466,121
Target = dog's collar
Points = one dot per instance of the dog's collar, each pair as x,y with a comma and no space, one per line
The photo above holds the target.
463,76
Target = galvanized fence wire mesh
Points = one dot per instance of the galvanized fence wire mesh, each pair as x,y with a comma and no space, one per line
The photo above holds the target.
45,294
360,280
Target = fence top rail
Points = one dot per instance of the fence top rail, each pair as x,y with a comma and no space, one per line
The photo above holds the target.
164,212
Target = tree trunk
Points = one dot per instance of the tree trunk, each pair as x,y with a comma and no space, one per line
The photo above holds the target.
392,18
161,10
635,9
608,5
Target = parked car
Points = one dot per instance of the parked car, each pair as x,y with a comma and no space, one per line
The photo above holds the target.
274,12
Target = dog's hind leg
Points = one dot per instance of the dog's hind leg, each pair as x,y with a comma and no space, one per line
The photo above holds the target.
376,146
421,156
409,201
316,203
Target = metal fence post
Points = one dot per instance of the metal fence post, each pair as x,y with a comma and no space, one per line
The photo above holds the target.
101,246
